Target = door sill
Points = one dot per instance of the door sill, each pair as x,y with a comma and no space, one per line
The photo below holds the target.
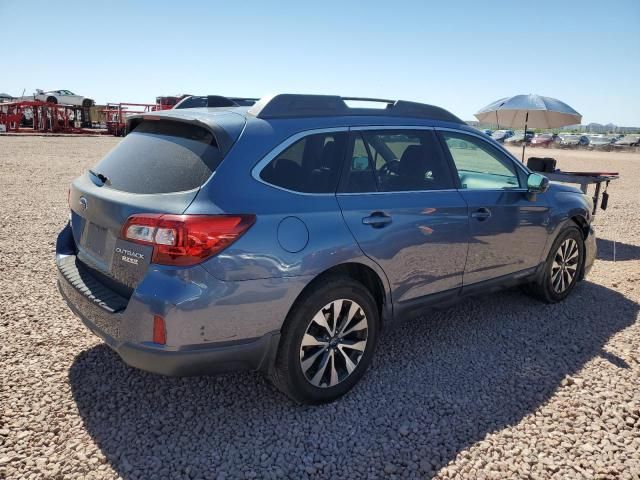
452,296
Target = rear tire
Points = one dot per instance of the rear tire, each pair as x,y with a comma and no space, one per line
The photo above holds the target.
322,355
52,100
562,269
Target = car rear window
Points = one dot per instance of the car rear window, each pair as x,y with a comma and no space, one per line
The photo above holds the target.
161,157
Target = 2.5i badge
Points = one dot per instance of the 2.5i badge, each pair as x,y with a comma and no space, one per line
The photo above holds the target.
130,261
130,256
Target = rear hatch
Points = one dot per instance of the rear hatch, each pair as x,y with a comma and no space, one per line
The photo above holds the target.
158,167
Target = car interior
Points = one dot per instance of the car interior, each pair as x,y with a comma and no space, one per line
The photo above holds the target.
310,165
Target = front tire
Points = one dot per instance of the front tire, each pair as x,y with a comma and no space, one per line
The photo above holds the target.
327,342
562,269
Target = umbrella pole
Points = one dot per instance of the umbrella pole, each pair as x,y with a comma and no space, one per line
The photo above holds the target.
524,139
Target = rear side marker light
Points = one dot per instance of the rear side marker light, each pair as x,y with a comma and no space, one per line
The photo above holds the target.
185,239
159,330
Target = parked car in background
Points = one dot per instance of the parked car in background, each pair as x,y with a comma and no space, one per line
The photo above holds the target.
273,239
516,139
543,140
573,140
501,135
628,141
487,131
519,136
167,102
214,101
5,97
600,142
65,97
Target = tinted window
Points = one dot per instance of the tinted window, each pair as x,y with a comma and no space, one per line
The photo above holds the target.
161,157
479,165
310,165
406,160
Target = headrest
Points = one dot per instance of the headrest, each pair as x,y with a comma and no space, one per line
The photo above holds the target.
413,162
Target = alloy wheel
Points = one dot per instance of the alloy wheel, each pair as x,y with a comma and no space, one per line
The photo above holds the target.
565,265
334,343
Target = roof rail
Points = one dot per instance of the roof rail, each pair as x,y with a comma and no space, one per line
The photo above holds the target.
287,105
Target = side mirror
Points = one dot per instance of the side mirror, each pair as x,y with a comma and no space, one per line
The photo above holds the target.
537,183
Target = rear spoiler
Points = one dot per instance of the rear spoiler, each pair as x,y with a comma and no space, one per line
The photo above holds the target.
225,136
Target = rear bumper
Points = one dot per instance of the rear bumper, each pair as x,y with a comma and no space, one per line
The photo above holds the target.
211,326
202,359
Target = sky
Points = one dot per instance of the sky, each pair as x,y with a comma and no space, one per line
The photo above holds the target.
460,55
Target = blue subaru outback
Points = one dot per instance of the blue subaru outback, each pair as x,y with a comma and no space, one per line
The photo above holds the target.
285,236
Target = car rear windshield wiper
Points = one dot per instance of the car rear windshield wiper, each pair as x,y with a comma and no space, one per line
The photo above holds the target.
103,178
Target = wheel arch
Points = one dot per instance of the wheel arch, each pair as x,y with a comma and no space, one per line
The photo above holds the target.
376,282
582,224
576,218
574,214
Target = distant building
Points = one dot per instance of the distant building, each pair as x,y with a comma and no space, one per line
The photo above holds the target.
608,128
589,128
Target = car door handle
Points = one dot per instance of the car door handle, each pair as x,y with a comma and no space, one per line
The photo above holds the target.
377,220
481,214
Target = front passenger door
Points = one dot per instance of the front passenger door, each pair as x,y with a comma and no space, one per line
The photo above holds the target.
507,228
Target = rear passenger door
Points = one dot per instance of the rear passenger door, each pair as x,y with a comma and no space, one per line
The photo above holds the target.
398,198
507,227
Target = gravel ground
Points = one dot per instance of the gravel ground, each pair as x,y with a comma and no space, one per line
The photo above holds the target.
495,387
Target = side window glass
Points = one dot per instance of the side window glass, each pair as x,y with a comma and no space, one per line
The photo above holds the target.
479,165
408,160
360,176
310,165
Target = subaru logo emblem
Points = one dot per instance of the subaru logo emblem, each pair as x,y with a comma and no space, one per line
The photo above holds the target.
83,203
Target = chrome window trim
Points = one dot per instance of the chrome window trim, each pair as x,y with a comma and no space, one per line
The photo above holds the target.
286,143
460,190
281,147
341,194
390,127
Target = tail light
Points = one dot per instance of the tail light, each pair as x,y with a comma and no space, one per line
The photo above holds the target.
185,239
